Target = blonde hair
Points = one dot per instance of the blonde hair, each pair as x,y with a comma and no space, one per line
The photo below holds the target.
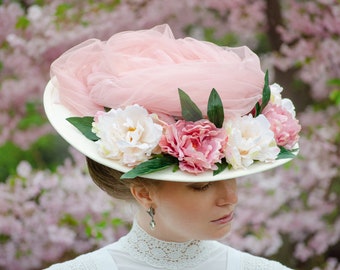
109,181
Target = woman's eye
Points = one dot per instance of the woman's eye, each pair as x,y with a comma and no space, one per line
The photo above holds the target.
202,187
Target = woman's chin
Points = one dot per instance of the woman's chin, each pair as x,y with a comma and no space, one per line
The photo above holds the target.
218,233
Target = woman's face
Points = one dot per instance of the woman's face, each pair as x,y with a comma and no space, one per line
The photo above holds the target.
187,211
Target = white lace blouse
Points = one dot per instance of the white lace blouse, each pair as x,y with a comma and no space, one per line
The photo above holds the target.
139,250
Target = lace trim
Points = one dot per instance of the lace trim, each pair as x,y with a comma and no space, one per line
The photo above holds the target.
169,255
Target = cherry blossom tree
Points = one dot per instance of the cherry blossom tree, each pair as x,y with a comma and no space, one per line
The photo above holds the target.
290,214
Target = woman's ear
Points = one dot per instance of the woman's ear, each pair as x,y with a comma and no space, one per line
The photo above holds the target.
142,194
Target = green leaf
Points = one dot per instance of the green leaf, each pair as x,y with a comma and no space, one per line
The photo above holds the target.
151,165
31,118
48,151
22,23
10,157
68,220
84,125
335,96
116,222
257,109
220,167
265,92
101,224
215,109
4,238
285,153
88,230
334,82
190,111
61,10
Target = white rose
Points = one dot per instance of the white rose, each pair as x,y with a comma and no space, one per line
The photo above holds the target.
249,139
289,106
276,98
275,93
128,135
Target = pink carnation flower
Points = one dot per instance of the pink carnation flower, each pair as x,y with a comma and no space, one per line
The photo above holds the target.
286,128
197,145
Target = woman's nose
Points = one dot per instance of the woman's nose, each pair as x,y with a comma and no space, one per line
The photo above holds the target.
227,192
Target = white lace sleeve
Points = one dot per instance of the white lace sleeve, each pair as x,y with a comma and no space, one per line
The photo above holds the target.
250,262
83,262
97,260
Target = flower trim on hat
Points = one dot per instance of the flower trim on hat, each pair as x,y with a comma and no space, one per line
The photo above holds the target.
140,140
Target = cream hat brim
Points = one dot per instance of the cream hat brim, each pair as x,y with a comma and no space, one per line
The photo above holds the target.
57,115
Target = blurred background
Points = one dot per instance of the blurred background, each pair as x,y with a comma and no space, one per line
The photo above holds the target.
49,209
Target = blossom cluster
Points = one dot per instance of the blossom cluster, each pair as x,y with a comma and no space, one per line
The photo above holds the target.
310,38
292,202
45,216
131,136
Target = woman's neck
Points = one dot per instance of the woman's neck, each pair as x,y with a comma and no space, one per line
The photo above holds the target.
165,254
160,231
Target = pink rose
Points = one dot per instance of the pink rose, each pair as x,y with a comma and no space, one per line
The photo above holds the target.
197,145
147,67
286,128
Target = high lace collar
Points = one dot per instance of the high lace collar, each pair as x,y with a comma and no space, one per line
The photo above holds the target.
166,255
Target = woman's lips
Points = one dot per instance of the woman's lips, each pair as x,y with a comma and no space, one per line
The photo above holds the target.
225,219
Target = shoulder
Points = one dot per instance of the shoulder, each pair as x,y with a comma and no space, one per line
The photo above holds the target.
96,260
247,261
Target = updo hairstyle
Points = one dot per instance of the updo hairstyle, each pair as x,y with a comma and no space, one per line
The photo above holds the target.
109,181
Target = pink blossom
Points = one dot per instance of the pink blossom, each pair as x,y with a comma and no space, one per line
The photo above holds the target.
197,145
285,127
36,208
302,252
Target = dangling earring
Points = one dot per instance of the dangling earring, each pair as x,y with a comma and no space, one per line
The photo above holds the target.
151,212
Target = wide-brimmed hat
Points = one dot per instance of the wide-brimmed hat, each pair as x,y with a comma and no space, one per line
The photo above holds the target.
147,104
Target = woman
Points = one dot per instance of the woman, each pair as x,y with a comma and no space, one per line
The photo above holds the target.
169,124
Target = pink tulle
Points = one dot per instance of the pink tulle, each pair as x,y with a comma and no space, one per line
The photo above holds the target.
147,67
